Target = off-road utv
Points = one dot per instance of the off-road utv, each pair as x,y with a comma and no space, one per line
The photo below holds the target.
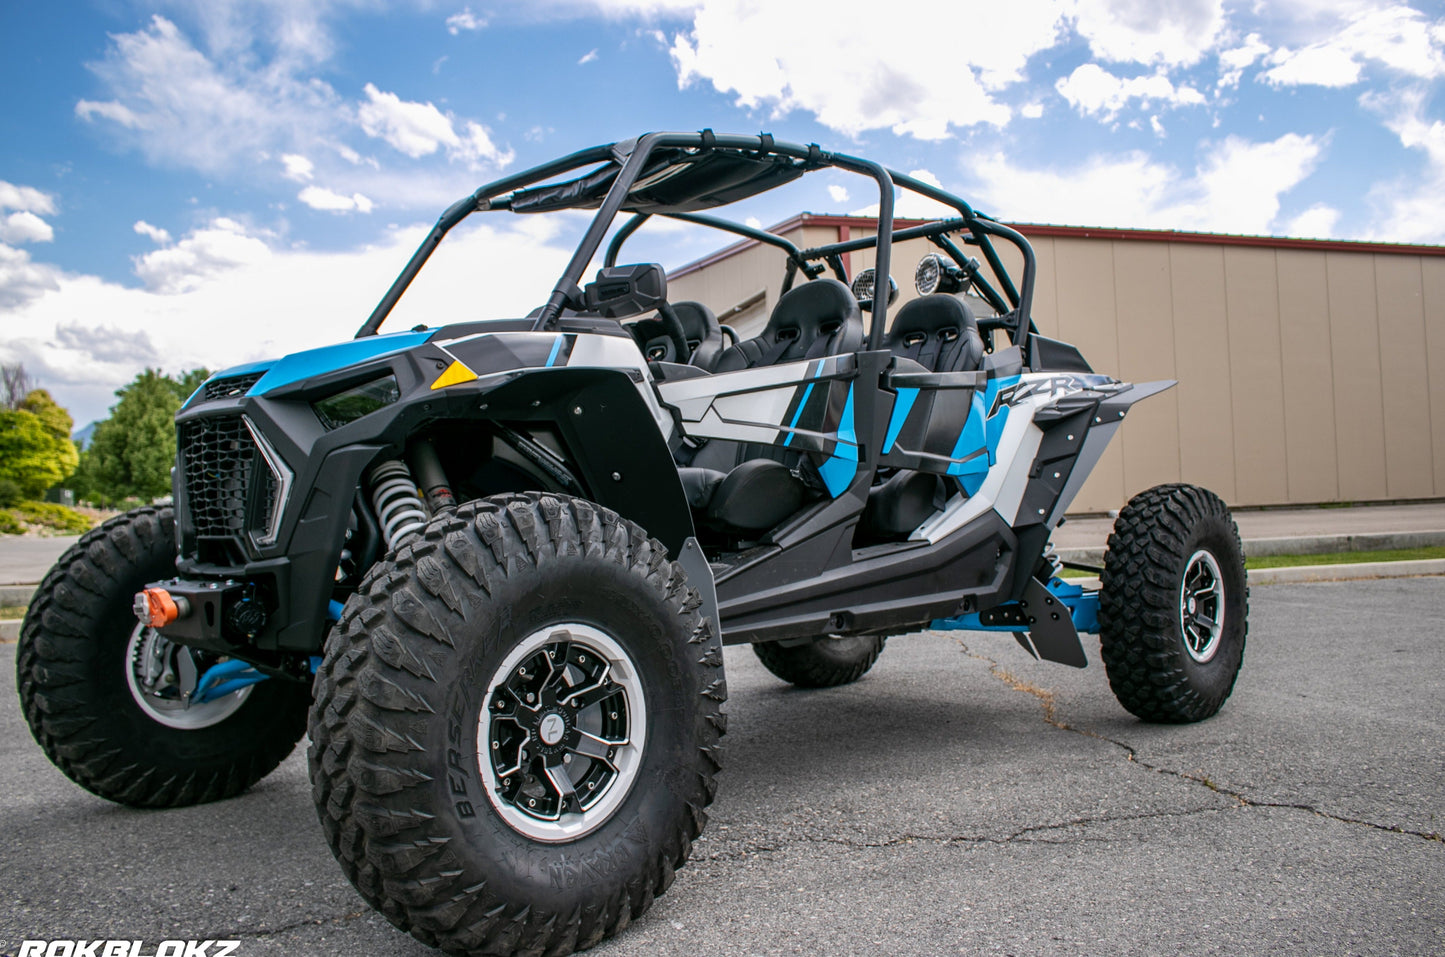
496,561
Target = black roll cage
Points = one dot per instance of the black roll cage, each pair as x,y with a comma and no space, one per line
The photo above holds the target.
631,158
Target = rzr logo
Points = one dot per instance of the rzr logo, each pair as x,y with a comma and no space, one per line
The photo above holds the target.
1051,387
127,948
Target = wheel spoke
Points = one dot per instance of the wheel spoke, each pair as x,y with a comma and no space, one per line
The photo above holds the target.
557,661
561,782
593,746
585,696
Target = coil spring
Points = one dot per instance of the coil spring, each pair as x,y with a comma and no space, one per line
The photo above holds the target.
399,508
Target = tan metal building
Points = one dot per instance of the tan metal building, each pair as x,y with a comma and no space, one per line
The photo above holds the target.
1309,371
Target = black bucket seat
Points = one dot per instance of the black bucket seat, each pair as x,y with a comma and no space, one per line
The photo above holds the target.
739,486
699,327
939,333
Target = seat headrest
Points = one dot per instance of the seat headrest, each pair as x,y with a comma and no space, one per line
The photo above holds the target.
698,322
937,331
821,307
931,314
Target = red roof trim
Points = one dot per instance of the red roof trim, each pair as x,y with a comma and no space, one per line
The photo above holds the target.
1043,230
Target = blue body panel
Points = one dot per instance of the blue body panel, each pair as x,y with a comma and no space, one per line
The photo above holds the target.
839,470
304,365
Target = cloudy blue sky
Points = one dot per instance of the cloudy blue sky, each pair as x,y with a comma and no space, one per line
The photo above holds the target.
187,182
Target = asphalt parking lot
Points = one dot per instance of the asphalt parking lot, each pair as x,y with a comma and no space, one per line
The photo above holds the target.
961,799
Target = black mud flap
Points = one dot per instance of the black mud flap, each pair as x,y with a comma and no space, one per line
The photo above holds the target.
1051,635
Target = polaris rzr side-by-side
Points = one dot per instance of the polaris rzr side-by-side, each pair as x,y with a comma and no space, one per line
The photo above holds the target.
491,566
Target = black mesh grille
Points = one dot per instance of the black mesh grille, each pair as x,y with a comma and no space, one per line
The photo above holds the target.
222,464
231,386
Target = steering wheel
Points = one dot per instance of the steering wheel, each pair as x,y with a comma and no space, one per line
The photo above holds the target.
672,328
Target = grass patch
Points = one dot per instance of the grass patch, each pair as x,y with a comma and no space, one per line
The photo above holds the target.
1347,558
11,612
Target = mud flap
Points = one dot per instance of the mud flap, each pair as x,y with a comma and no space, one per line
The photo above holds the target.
1051,635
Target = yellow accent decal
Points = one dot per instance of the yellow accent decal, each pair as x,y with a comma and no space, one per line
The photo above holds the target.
456,372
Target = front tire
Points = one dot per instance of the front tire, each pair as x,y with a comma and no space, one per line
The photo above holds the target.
1174,604
517,727
825,662
79,673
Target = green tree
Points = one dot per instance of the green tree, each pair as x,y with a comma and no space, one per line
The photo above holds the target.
35,448
131,453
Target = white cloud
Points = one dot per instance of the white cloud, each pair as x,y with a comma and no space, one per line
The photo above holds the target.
297,167
200,257
318,197
420,129
157,235
1234,61
588,57
466,20
838,194
1236,188
1411,208
27,199
25,227
783,57
22,281
1166,32
1092,90
1397,37
1322,65
110,110
1031,111
1317,222
179,107
266,305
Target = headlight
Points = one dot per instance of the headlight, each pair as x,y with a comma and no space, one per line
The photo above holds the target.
347,406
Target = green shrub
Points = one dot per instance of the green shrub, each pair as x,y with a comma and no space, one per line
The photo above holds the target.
53,516
10,493
9,524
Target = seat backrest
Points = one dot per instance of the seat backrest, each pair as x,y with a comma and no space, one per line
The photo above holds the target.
699,327
704,335
938,332
819,318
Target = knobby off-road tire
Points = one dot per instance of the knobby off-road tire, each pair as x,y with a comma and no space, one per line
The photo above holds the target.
480,609
1174,605
71,671
824,662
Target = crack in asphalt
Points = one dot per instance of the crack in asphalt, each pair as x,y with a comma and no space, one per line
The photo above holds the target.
1046,700
261,933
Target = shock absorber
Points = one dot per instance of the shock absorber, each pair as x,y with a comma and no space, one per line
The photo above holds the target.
398,505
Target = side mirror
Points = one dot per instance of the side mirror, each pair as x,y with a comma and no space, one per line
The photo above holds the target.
622,291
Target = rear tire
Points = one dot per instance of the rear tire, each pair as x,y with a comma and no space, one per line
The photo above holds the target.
72,665
825,662
463,709
1174,605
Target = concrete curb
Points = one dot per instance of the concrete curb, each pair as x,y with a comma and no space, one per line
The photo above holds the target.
16,594
1329,573
1300,545
10,630
1335,573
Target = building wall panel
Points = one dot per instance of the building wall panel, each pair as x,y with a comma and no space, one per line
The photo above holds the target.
1405,378
1312,472
1201,354
1355,355
1251,291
